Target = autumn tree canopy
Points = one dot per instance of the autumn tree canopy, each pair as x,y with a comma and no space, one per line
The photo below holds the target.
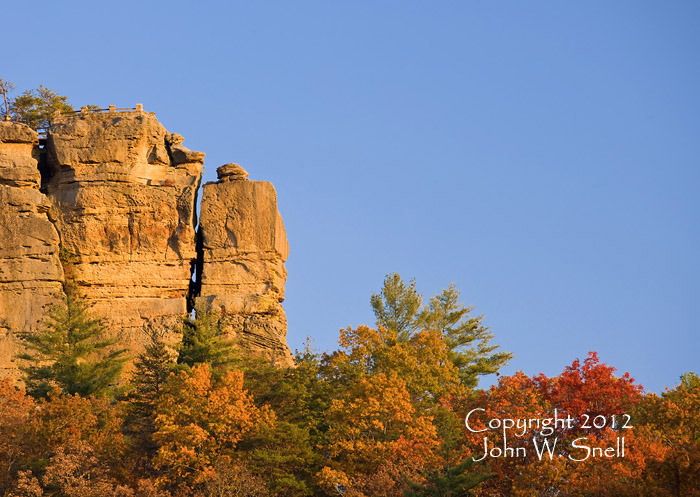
383,415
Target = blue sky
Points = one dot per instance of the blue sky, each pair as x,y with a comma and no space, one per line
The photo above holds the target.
544,156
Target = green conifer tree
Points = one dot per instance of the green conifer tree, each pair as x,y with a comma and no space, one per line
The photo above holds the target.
151,370
469,343
397,306
449,481
204,341
467,339
287,454
70,352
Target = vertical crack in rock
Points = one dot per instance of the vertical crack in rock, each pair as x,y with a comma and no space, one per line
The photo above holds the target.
44,169
196,265
196,272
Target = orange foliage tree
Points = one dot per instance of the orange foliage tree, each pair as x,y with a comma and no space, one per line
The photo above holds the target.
59,442
382,418
669,434
200,420
582,392
16,411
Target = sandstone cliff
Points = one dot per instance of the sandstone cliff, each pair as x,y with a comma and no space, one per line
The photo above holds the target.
120,197
30,272
124,191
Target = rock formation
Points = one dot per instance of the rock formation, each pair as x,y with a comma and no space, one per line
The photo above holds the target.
124,191
244,247
118,196
31,275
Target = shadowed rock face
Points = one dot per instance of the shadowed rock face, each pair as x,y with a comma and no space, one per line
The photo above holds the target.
31,275
244,247
120,196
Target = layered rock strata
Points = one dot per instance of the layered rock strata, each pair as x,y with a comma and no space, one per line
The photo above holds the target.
124,192
244,247
31,275
117,196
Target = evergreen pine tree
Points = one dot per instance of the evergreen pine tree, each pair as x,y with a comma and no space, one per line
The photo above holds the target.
467,339
70,352
397,305
450,481
204,341
398,309
151,370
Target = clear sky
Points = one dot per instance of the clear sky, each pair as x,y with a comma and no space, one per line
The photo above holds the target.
542,155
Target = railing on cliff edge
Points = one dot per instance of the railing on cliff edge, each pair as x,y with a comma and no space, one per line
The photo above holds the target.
43,132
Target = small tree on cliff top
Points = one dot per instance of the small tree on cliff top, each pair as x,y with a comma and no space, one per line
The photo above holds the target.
5,88
70,352
33,107
37,107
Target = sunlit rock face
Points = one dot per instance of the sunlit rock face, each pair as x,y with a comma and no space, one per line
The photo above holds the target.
124,192
244,247
31,275
109,205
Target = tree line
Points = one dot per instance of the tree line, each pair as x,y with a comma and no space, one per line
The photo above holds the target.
245,421
382,415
